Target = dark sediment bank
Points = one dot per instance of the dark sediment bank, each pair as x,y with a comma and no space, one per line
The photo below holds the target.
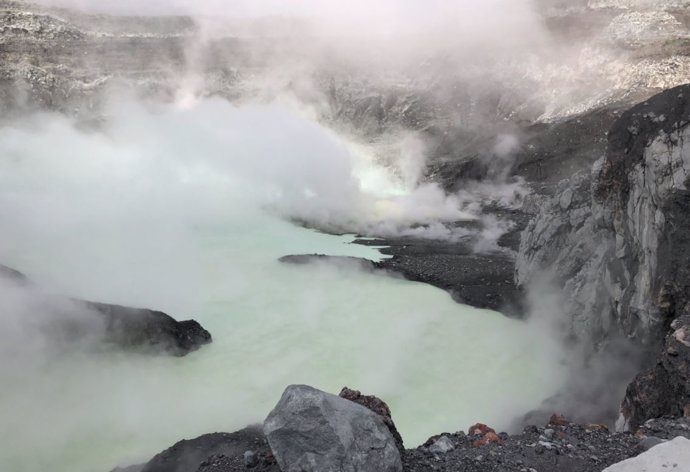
473,279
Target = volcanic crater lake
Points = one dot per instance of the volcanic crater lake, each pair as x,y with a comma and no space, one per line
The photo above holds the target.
118,227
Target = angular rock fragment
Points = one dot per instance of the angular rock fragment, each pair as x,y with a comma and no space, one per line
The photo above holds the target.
313,431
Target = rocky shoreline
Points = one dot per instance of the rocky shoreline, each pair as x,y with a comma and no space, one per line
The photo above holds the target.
299,430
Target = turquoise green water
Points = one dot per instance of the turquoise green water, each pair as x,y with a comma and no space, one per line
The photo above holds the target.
143,235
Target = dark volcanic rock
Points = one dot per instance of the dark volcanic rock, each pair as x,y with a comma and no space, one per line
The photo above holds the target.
355,262
314,431
142,328
555,151
131,328
565,448
667,427
379,407
665,388
482,280
15,276
479,280
211,451
560,446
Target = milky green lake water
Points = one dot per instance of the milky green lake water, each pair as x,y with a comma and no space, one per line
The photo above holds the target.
148,235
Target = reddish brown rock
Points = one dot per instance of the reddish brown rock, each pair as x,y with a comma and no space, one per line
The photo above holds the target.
376,405
597,427
480,428
558,420
488,438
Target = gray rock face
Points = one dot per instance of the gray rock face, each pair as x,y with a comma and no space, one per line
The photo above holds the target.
310,430
643,191
616,240
602,232
564,244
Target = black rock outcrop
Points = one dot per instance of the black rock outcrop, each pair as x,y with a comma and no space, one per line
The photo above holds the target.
210,451
142,328
130,328
665,388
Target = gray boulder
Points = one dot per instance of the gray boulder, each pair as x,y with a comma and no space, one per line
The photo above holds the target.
310,430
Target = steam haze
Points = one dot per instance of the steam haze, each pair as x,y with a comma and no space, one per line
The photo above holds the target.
184,208
274,128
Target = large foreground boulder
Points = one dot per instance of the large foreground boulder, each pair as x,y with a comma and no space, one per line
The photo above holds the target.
313,431
66,321
672,455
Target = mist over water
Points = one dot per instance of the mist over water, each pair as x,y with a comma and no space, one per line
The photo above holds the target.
187,210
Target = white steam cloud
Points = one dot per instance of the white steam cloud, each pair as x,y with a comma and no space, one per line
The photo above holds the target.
264,156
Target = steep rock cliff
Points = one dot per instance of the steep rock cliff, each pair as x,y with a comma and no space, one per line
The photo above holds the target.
616,239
